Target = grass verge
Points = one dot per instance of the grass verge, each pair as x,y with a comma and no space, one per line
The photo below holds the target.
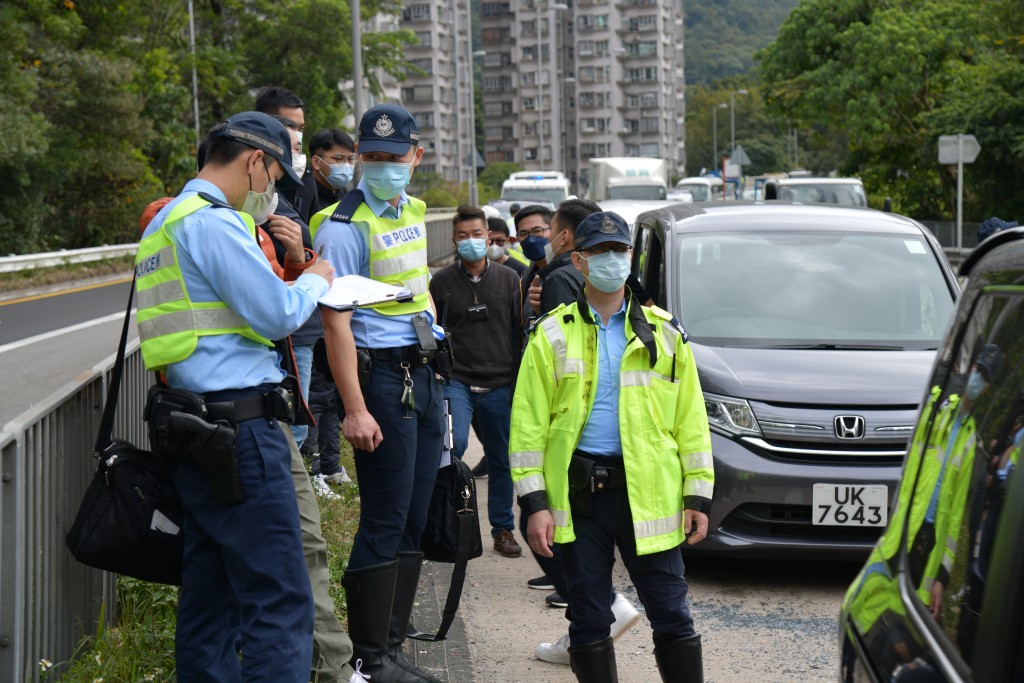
140,647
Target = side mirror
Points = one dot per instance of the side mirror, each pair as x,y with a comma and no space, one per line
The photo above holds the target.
771,190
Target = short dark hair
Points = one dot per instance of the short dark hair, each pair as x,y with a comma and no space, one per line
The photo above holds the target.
571,212
271,99
468,213
498,225
286,122
326,138
532,209
219,149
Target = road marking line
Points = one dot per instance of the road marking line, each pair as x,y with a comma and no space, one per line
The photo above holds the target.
56,333
48,295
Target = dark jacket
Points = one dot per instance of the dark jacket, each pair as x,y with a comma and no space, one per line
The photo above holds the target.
303,199
313,328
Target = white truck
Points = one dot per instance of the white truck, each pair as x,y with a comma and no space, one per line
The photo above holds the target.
638,178
536,187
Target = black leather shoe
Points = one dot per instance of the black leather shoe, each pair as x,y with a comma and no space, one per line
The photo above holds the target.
480,471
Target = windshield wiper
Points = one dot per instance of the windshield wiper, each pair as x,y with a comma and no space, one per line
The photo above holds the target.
838,347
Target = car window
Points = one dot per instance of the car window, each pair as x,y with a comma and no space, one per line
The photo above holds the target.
970,454
811,288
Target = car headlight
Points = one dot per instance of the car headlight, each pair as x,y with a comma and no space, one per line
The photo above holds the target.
731,416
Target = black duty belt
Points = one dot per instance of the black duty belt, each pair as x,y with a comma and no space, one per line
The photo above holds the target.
248,408
413,355
608,473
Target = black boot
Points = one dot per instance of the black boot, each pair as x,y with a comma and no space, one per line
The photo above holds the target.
371,593
409,565
594,663
680,661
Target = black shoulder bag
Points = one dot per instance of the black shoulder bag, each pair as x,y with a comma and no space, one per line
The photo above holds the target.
452,533
130,519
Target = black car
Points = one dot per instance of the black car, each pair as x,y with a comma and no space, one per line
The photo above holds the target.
941,597
814,328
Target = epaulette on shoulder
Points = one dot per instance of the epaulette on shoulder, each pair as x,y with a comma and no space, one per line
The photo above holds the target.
557,309
347,206
671,320
217,203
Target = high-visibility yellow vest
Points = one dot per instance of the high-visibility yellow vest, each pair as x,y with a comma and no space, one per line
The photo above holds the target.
516,252
170,323
666,444
398,251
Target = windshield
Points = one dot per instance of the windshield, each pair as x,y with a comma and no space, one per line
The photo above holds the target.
812,289
829,193
535,195
641,192
701,193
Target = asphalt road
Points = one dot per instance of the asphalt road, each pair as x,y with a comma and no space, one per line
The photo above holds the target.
47,339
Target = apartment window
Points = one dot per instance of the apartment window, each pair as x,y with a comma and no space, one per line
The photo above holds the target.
585,48
529,53
425,119
425,38
496,36
647,100
495,9
492,83
646,49
642,74
419,12
585,74
493,108
426,64
601,46
493,132
529,104
648,23
426,168
495,59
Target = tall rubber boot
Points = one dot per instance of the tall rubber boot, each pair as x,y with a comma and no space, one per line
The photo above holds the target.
594,663
681,661
370,592
409,565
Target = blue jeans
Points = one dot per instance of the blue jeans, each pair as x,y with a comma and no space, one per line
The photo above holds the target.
588,561
396,480
244,574
493,413
304,364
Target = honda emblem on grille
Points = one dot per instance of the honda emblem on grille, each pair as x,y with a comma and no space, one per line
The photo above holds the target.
849,426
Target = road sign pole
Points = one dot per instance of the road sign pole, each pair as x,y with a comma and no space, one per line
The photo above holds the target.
959,191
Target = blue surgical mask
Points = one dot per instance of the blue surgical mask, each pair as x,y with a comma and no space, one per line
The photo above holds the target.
976,384
472,249
340,176
386,180
608,271
533,247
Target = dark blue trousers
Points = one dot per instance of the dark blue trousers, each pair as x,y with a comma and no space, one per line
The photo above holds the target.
397,479
245,585
588,562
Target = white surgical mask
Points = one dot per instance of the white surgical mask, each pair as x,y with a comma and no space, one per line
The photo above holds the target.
260,205
495,252
299,164
549,251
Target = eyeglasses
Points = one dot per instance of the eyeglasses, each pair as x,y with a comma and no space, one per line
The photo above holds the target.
499,242
339,159
605,248
534,231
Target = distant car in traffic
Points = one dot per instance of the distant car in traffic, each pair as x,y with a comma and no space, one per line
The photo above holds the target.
845,191
940,598
702,188
813,328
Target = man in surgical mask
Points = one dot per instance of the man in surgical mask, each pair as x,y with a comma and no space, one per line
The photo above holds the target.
333,161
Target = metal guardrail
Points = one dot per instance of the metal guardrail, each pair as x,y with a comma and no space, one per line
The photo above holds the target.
439,247
48,600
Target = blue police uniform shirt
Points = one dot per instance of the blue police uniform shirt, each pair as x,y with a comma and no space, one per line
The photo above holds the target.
347,248
601,433
220,261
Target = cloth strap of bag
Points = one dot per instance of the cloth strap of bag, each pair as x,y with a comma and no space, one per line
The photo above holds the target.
451,605
110,407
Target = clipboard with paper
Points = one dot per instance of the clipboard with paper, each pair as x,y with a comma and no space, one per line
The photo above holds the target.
354,291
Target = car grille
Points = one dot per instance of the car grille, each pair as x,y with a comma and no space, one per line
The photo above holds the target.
791,523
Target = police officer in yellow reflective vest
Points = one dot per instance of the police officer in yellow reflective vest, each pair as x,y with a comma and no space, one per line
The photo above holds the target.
209,304
610,447
383,360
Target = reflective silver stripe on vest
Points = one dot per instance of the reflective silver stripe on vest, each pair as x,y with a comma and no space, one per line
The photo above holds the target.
164,292
669,334
186,321
399,263
530,484
383,241
697,461
698,487
658,527
572,366
557,340
561,517
526,459
159,260
640,378
418,285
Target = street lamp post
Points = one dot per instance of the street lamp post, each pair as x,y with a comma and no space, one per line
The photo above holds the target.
732,119
558,7
473,197
714,130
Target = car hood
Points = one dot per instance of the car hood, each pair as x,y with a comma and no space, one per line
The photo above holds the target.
890,378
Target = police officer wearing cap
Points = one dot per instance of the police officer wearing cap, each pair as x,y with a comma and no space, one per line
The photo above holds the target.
610,448
382,359
209,304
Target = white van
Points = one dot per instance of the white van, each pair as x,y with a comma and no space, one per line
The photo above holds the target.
703,188
535,187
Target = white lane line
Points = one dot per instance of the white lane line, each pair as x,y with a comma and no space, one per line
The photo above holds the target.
56,333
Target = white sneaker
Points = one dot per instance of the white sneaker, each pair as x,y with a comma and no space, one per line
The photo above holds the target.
322,488
339,477
359,676
556,652
625,615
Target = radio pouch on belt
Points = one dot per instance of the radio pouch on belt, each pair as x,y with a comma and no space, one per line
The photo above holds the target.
424,334
581,477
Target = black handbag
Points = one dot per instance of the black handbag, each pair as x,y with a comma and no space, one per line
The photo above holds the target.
452,532
129,521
